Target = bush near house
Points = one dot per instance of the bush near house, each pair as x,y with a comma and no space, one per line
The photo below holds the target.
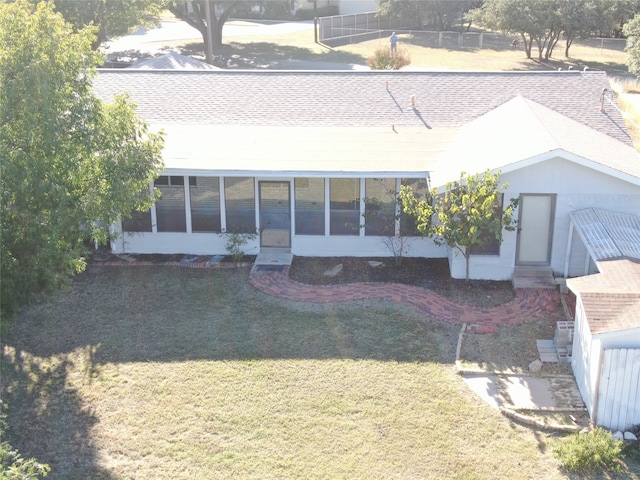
592,451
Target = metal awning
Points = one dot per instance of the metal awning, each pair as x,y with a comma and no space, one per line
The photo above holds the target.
608,234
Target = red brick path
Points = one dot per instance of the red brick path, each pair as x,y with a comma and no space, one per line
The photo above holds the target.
528,304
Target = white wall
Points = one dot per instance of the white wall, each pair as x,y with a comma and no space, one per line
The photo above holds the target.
357,6
585,359
577,187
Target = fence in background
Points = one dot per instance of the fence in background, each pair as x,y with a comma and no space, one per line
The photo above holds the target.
359,27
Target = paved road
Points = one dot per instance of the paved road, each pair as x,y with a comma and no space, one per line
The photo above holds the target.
150,41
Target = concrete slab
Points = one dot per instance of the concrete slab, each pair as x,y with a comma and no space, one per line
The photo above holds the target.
512,391
486,387
274,258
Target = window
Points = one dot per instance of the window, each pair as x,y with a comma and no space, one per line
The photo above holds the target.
420,187
380,206
240,204
491,243
204,193
170,212
309,206
345,206
138,222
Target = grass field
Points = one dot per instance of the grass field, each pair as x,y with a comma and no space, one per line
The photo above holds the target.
165,373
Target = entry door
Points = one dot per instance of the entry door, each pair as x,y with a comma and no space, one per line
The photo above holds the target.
535,229
275,214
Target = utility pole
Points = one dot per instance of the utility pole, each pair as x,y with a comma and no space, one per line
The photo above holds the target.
209,45
315,21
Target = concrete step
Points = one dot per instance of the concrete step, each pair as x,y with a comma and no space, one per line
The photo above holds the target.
533,277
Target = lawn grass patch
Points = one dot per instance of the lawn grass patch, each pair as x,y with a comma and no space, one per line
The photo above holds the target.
182,373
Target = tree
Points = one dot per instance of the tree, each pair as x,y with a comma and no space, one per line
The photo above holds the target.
632,31
203,13
13,466
469,213
534,20
113,18
70,165
442,14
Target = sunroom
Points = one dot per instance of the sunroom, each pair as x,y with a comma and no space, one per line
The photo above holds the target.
311,191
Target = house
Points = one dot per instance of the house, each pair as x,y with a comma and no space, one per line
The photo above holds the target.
311,160
296,155
606,344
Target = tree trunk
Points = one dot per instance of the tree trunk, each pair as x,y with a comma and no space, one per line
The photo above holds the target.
567,46
467,255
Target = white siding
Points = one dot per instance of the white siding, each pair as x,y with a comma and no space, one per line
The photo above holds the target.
585,359
577,187
619,393
358,6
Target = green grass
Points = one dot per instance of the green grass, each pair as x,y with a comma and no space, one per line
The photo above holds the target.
178,373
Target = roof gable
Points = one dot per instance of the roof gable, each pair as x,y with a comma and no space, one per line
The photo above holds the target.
173,61
521,132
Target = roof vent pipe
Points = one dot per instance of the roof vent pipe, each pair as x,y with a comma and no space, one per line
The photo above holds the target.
604,92
413,100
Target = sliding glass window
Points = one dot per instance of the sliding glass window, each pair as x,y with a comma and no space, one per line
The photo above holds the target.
240,204
204,194
309,194
380,207
420,187
345,206
170,212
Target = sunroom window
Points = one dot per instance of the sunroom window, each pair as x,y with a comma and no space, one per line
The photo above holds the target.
170,210
345,206
309,206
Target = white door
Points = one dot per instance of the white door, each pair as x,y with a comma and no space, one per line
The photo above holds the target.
535,229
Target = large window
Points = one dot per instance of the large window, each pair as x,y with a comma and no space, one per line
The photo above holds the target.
380,206
420,187
170,211
345,206
204,193
138,222
240,204
491,243
309,206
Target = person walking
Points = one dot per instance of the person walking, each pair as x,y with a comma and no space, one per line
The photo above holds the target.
393,40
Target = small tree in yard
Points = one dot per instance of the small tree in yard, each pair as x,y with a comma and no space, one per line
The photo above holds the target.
468,213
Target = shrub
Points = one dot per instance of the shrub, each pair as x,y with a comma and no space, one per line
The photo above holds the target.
383,60
596,450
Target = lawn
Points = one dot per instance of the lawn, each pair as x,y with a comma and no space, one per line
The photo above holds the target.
160,372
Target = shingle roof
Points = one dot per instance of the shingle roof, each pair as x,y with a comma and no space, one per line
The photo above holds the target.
522,131
611,297
369,98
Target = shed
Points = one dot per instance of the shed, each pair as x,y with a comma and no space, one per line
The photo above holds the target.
606,346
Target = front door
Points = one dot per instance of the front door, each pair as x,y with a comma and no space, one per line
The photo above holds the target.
535,229
275,214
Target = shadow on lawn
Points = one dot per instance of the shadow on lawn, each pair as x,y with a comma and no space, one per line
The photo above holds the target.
47,417
266,55
166,314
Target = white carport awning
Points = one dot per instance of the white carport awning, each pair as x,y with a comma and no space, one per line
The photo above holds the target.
608,234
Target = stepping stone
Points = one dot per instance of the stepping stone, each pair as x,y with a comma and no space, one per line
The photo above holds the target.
332,272
375,263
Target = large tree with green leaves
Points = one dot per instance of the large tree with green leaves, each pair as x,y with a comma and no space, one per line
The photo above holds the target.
70,165
544,22
112,18
632,32
468,214
441,14
209,16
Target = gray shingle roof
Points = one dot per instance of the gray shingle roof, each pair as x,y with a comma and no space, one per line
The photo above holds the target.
369,98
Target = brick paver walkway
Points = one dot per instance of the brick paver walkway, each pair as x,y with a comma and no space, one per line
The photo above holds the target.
528,304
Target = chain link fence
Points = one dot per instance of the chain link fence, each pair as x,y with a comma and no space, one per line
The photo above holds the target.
355,28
